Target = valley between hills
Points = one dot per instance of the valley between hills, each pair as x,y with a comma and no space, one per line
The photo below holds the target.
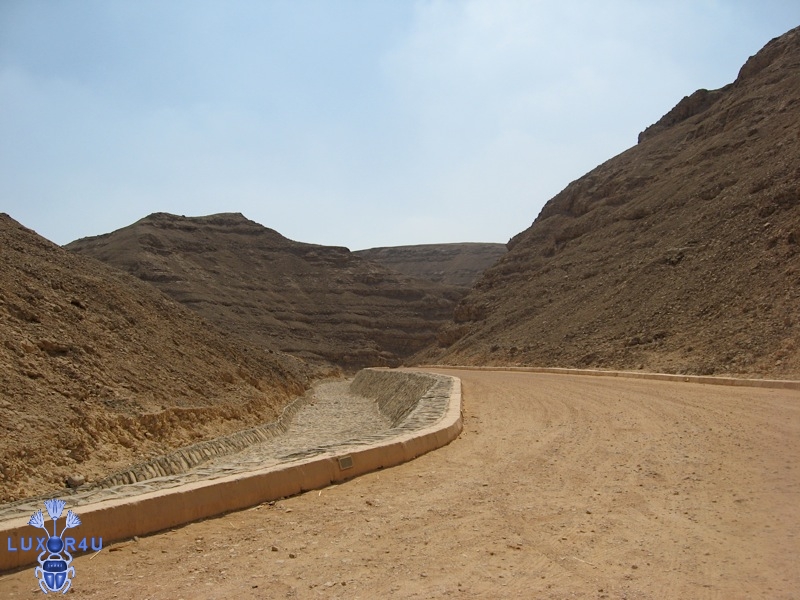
681,255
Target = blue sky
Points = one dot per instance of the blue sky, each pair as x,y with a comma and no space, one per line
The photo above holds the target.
350,123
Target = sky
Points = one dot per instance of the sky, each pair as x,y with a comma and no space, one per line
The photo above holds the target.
357,123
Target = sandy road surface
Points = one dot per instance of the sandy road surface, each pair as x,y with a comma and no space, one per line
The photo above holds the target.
560,487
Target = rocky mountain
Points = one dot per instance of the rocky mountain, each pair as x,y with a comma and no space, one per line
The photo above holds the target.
450,264
316,302
99,370
681,254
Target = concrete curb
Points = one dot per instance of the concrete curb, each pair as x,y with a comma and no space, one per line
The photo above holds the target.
120,519
785,384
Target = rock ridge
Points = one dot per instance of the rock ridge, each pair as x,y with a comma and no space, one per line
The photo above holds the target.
321,303
457,264
680,255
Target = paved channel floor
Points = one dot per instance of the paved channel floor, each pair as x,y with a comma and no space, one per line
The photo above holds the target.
333,417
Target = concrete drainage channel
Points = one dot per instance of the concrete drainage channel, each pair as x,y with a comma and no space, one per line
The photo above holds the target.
424,413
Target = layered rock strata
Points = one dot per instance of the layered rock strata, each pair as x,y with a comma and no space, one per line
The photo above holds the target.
316,302
681,254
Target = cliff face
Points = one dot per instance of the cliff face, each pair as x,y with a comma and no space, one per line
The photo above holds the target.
317,302
681,254
99,370
451,264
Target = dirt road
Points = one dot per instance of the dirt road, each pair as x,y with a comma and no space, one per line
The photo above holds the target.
560,487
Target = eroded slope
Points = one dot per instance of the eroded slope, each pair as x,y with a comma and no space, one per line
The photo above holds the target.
99,370
318,302
451,264
681,254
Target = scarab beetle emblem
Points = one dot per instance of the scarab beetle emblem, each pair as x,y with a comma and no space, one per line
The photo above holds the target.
54,572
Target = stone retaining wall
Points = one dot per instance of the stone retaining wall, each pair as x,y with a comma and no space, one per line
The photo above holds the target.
396,393
430,422
189,457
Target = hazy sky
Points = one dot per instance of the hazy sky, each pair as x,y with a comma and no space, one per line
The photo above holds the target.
350,123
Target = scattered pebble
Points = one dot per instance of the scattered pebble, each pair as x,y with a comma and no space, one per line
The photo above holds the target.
75,481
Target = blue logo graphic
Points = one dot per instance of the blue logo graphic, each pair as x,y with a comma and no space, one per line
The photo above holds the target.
53,572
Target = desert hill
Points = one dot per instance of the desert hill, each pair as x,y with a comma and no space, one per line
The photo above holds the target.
451,264
317,302
99,370
681,254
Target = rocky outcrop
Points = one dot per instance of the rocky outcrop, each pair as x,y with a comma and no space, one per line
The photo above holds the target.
681,254
450,264
690,106
316,302
99,370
